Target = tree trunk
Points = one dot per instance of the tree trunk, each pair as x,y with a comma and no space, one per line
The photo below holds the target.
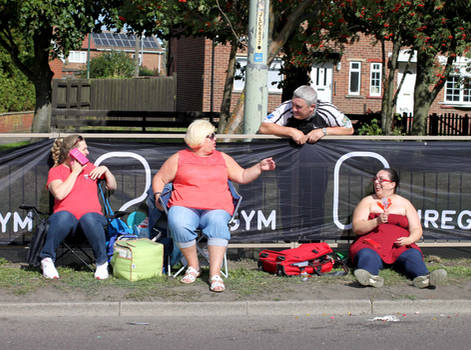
387,106
423,97
42,110
41,76
228,85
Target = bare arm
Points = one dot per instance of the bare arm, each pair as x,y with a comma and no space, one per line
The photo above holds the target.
242,176
361,223
278,130
61,189
98,172
316,134
165,175
415,228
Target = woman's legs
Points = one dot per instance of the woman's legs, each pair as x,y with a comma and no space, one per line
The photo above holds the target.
367,259
93,226
411,264
60,225
182,223
368,264
214,226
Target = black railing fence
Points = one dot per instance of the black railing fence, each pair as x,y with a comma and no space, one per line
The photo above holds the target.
446,124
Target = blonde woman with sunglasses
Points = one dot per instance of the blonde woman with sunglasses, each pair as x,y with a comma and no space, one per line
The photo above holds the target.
201,197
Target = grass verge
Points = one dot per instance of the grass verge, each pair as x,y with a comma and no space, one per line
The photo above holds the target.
245,282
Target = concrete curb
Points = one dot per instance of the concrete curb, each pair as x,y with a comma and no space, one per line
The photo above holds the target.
242,308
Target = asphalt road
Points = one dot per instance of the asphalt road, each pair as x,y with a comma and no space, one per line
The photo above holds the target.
398,331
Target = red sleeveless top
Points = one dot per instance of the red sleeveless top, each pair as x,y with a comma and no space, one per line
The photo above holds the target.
201,182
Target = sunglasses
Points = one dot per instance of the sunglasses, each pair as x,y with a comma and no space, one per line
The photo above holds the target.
211,136
381,180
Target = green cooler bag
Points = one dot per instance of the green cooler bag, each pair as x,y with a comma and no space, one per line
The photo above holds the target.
137,259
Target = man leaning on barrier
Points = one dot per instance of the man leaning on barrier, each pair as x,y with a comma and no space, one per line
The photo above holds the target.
306,119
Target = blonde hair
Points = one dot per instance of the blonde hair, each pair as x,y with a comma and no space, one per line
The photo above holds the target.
62,146
197,132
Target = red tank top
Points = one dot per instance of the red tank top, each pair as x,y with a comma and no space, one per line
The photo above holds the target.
201,182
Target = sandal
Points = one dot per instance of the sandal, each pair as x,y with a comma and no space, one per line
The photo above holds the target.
190,275
217,284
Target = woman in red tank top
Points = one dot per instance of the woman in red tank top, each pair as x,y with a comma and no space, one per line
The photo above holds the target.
201,197
387,226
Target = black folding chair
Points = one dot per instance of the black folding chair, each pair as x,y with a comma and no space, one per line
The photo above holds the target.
71,244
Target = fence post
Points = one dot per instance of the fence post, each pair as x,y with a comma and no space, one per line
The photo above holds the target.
433,124
465,125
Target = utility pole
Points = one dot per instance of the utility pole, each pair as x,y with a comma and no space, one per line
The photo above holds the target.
136,55
256,91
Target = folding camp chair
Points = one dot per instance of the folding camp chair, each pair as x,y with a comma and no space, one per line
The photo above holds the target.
72,244
236,199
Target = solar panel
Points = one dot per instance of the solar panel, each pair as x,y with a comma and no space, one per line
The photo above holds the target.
124,40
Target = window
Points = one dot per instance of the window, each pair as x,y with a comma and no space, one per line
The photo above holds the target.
355,78
273,77
458,90
77,57
133,56
375,79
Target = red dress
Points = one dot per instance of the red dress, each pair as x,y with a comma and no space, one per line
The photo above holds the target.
382,238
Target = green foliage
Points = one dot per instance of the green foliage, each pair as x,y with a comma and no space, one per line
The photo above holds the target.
16,91
372,128
146,72
112,64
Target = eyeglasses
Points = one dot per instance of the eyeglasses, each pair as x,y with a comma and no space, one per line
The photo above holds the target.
380,180
211,136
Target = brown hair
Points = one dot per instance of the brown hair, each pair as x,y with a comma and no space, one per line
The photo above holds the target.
393,176
62,146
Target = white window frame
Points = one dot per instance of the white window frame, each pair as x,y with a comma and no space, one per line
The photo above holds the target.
77,57
273,76
376,79
354,70
459,90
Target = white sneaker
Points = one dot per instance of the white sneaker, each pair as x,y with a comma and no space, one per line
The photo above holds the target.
49,270
101,272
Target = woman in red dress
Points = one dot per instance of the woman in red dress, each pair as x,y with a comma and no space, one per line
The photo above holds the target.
387,227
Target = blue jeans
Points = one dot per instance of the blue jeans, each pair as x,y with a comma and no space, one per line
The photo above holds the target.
62,223
183,222
409,263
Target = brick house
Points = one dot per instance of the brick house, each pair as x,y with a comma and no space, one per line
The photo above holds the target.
352,83
151,53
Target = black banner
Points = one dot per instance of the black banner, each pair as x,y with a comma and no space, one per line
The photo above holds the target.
310,196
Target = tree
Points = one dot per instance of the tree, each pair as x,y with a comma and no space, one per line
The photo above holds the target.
34,31
441,29
429,28
112,65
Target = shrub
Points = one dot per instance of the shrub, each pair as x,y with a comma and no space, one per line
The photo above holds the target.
112,64
16,91
146,72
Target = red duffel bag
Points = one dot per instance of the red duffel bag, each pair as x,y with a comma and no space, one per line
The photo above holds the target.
308,258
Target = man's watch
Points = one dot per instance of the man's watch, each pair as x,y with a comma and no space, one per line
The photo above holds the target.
324,130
